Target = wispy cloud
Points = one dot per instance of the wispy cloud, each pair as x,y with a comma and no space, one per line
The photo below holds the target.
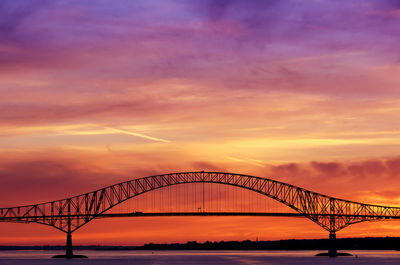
137,134
95,129
254,162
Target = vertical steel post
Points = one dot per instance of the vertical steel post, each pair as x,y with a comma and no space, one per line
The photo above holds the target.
332,252
68,248
204,207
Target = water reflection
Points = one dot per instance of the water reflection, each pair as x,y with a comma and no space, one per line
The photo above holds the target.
201,257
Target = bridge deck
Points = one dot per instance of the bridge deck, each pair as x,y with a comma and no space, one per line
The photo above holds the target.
271,214
143,214
160,214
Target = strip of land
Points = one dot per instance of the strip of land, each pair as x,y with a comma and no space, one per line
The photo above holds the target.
368,243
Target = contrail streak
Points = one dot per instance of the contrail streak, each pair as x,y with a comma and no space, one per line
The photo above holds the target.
137,134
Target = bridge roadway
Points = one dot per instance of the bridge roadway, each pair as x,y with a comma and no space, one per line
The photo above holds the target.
276,214
183,214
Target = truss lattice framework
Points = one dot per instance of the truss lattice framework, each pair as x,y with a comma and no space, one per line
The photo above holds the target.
72,213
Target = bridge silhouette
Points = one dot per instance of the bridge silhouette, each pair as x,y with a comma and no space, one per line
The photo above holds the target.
70,214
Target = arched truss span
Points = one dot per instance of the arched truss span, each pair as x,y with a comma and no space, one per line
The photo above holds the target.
72,213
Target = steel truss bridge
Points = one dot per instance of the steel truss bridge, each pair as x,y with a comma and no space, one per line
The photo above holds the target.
70,214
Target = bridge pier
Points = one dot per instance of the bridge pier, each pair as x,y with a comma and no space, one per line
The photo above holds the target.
332,251
68,247
68,250
332,247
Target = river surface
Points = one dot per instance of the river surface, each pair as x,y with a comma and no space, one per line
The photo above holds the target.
198,257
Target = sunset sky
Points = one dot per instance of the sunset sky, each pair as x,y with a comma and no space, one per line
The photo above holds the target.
98,92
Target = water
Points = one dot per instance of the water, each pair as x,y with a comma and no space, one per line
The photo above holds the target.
199,257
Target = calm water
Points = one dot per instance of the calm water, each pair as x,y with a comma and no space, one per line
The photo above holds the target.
200,257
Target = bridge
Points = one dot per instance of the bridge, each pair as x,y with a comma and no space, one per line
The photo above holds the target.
70,214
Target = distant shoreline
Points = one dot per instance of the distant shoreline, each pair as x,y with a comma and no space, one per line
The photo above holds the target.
367,243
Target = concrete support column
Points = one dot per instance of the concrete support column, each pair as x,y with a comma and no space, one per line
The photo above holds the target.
68,249
332,252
